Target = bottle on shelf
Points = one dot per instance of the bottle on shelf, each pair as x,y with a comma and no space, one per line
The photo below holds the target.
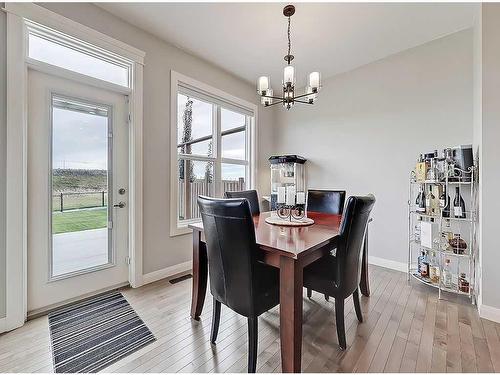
431,172
420,202
434,268
447,275
463,284
423,265
458,205
430,200
444,203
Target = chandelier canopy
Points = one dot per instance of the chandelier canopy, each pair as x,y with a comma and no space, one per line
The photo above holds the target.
289,98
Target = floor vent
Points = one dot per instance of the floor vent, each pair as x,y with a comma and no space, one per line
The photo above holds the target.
179,279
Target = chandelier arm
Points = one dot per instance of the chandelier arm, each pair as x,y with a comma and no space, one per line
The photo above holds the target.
303,95
280,102
301,101
273,97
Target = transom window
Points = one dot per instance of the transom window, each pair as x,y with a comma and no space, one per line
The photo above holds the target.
55,48
213,150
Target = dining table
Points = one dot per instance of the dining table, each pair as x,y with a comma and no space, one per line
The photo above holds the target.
289,248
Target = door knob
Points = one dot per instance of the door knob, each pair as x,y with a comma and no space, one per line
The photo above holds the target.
119,205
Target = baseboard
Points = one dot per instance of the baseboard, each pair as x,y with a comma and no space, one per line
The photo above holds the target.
387,263
166,272
3,324
489,312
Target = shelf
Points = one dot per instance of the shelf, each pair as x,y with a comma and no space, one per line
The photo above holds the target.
437,217
413,273
447,253
436,182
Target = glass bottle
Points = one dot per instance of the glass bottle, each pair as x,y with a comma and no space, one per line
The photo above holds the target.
421,201
447,275
458,204
423,265
429,202
431,173
434,268
463,284
444,203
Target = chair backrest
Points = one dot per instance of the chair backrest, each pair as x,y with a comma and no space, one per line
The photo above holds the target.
326,201
231,249
351,241
250,195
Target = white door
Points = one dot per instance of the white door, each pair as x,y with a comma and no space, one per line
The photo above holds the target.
77,190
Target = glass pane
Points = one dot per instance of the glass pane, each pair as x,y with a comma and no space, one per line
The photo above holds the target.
230,119
233,177
79,190
196,177
233,145
52,53
194,126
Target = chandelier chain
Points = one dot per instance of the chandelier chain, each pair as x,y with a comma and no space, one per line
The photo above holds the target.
289,42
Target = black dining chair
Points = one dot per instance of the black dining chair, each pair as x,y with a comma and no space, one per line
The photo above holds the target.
326,201
250,195
339,276
237,279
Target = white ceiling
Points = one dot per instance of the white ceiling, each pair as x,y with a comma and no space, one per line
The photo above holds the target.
249,39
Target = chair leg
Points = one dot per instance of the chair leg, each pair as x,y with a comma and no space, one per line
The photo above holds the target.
215,321
327,298
309,293
252,343
339,318
357,306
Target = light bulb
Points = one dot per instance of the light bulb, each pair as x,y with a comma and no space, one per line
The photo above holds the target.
315,81
263,84
289,76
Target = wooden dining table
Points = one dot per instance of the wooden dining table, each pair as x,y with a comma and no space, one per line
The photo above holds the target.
290,249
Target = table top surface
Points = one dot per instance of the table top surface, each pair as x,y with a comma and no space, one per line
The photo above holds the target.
293,241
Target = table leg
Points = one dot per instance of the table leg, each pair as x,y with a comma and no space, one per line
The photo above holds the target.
364,283
200,272
291,287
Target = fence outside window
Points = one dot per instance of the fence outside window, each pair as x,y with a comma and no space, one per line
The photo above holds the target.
64,201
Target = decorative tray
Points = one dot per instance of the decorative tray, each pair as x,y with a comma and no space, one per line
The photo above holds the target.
274,220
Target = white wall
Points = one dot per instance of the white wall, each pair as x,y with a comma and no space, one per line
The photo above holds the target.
370,124
3,128
161,250
490,160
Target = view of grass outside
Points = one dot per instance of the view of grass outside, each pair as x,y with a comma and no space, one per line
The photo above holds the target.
79,200
78,220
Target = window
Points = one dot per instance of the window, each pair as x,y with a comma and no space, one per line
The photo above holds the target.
54,48
213,149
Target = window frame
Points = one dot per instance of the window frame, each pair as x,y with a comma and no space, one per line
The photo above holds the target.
179,85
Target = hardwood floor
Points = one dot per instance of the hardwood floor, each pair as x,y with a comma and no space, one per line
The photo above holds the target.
406,329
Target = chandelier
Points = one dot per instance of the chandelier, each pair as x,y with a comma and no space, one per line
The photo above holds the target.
289,98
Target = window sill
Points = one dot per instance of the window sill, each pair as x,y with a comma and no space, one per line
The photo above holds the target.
182,229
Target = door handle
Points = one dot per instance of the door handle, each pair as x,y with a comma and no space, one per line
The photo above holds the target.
120,205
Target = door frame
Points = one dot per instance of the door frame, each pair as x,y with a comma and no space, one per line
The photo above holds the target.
17,130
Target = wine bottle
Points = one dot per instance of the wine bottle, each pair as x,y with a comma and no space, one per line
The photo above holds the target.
444,203
458,205
421,201
429,200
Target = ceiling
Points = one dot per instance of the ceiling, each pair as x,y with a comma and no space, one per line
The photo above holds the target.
249,39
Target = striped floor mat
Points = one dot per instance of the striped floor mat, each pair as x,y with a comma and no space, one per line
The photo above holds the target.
91,335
